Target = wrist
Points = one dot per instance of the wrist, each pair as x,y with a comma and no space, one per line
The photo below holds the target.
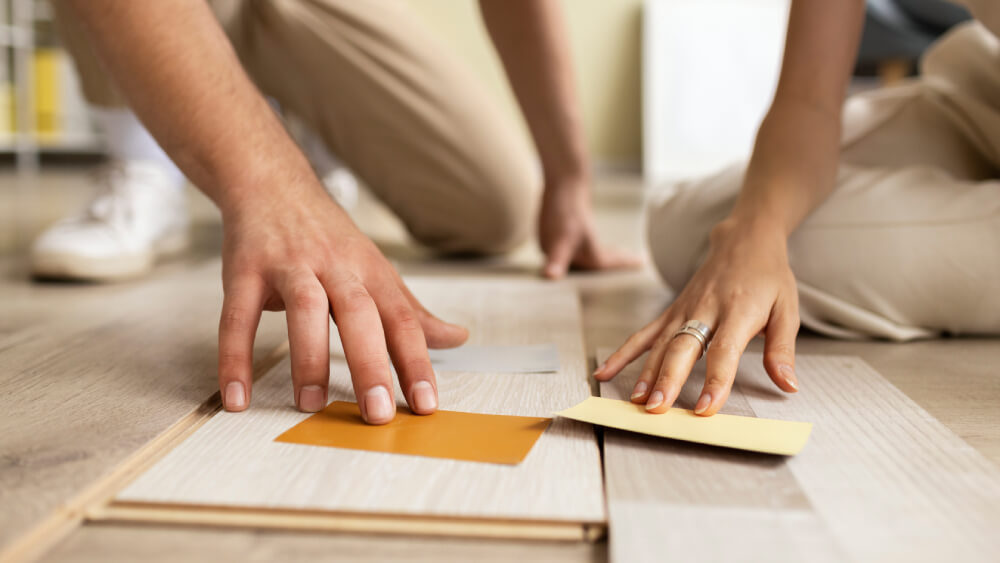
565,165
566,182
262,191
285,203
761,218
756,231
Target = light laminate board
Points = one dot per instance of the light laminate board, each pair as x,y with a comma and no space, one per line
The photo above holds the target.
232,461
90,374
880,480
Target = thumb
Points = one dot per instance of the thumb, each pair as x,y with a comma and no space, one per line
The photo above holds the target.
437,333
441,334
557,262
618,259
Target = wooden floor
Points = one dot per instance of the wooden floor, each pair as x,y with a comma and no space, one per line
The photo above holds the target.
89,374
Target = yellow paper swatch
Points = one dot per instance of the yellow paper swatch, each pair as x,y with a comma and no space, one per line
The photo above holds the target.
741,432
445,434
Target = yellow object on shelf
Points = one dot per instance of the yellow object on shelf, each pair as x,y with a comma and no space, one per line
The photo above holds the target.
48,102
6,109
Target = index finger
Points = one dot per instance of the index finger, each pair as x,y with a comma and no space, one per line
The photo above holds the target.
241,308
634,347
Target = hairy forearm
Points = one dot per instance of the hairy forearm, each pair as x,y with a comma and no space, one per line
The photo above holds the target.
531,38
175,66
794,164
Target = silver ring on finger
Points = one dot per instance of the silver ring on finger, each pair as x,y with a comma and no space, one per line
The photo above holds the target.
697,330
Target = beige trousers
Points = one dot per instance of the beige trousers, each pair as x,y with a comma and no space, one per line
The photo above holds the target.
908,246
390,101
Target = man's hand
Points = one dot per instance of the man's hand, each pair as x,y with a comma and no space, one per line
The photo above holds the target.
532,40
567,236
309,259
287,244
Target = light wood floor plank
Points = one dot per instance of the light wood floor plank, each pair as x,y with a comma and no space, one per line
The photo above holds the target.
653,532
890,481
95,378
233,460
880,480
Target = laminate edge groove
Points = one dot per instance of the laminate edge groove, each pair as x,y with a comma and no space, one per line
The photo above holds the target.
123,512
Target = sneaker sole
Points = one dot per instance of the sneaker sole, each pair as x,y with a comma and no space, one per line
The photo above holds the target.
68,266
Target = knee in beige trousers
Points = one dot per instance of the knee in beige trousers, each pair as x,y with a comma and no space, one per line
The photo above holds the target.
391,102
908,245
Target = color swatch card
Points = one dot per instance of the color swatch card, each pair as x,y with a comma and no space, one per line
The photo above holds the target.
445,434
741,432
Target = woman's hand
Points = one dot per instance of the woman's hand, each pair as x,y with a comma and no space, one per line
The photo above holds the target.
303,254
744,288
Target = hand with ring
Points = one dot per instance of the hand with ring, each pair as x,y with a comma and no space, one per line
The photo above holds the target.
744,288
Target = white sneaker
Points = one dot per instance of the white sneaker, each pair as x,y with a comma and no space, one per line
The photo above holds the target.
342,186
138,216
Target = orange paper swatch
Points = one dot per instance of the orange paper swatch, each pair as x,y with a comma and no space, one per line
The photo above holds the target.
489,438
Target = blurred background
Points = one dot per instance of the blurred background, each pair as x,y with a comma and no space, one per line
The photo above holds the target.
669,88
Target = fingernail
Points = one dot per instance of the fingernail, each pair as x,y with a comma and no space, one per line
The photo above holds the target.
788,374
424,398
640,390
378,408
655,400
312,398
235,398
600,368
703,403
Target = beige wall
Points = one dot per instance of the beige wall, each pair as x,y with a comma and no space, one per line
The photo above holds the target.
606,46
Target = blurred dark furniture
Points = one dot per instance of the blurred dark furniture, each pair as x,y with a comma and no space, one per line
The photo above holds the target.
897,32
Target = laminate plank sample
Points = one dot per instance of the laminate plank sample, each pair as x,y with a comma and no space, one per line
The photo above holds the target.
233,460
880,480
89,374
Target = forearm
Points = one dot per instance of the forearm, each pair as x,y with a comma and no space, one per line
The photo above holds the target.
792,170
190,91
531,38
794,164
